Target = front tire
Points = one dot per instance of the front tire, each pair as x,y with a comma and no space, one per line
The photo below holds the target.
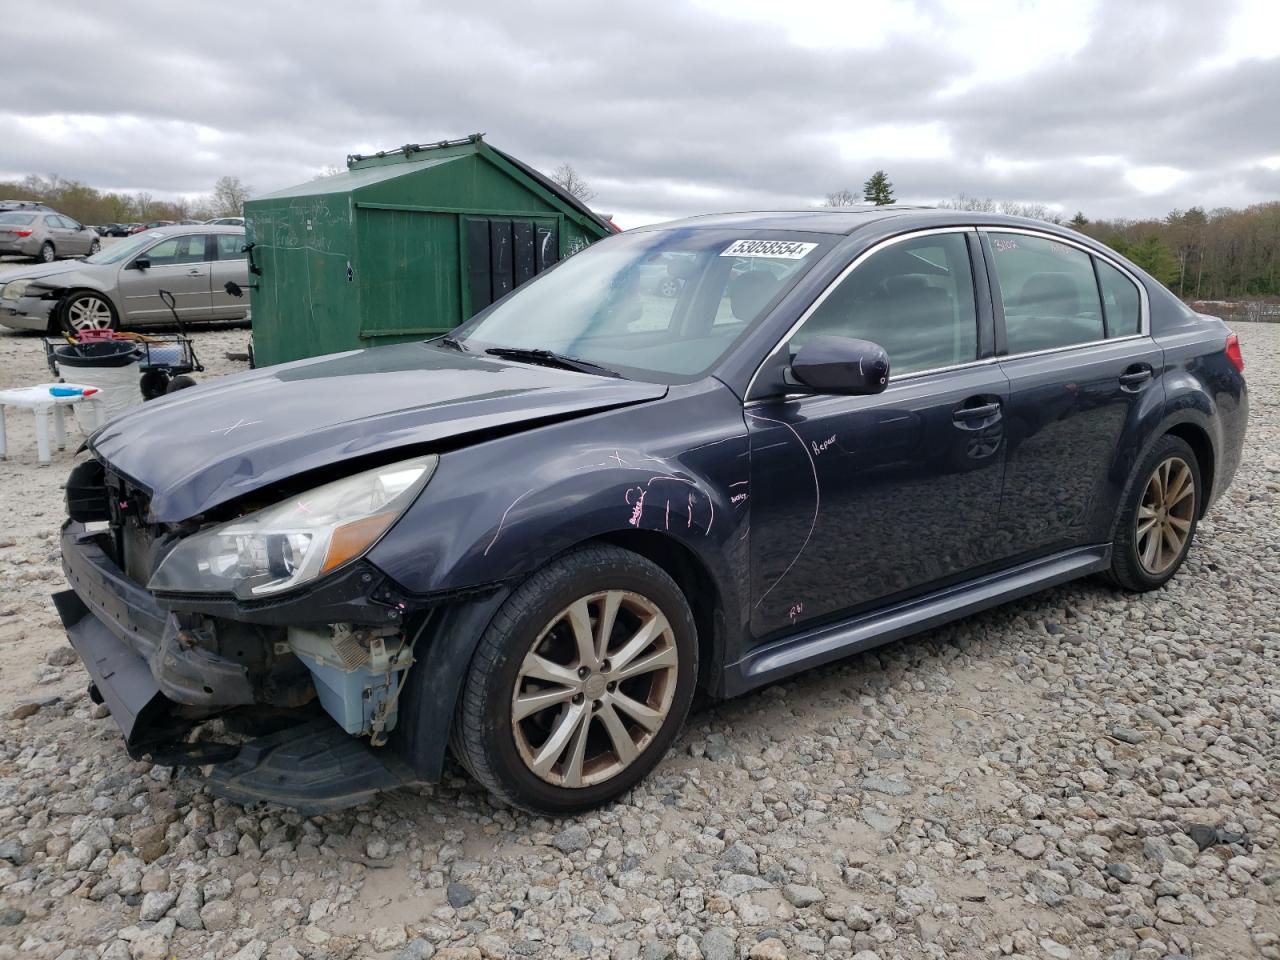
88,310
1158,517
580,683
95,247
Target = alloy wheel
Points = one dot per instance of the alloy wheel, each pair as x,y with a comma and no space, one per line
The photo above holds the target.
47,253
1165,515
89,313
594,689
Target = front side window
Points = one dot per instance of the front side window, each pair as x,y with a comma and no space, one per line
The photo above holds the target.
1120,300
914,298
189,249
1049,293
656,304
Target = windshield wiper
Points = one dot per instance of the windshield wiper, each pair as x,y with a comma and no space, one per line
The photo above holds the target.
551,359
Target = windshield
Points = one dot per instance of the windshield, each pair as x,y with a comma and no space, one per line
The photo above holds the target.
125,248
19,218
666,304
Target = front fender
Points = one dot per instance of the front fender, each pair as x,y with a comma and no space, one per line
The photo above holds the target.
498,510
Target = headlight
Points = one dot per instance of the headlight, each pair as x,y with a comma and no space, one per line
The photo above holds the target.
14,289
296,540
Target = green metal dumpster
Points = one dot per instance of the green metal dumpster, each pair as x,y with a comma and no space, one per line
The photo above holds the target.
405,245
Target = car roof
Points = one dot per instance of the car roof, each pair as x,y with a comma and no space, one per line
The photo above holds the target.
848,220
186,228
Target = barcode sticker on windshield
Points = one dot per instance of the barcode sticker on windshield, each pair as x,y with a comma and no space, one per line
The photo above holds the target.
778,249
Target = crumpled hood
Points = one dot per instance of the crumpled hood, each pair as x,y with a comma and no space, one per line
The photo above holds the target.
208,445
42,270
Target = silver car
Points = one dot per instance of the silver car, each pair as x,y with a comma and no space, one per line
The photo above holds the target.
45,236
120,285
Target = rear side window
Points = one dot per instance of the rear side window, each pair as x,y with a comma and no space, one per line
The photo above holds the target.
1049,293
1120,300
914,298
230,246
16,218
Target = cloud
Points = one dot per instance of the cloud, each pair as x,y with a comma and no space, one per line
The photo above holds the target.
669,110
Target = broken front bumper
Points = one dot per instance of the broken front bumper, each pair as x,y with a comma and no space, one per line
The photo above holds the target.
136,652
157,685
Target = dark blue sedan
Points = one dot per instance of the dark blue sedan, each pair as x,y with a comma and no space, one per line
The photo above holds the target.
531,541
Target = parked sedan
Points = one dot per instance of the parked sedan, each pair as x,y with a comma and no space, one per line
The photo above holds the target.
532,540
45,236
120,285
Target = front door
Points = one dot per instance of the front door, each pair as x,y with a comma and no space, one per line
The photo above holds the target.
1083,375
179,264
858,500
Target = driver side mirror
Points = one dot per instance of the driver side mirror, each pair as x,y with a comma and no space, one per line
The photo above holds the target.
141,263
841,365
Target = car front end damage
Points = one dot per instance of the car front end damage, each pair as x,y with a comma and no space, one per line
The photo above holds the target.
26,305
315,670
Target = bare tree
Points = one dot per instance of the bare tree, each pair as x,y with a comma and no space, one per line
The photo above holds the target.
841,198
571,182
1033,211
229,195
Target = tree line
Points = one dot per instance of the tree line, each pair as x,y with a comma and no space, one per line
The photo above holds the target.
1220,254
87,204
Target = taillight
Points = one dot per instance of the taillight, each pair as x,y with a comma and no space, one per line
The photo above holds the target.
1233,353
23,233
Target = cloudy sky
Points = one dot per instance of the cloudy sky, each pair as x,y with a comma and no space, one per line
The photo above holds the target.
1115,107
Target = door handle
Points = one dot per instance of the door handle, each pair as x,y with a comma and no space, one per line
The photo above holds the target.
964,416
195,272
1136,375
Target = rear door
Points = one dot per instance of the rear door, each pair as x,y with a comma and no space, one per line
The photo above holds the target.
1083,374
178,263
230,264
78,239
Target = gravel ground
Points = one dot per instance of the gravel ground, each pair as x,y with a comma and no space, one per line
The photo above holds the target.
1077,775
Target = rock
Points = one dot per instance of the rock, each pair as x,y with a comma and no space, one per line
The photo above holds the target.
388,938
11,916
1055,949
253,950
155,879
740,858
218,915
572,839
416,949
150,946
1030,846
156,904
459,895
377,848
11,850
799,895
770,948
881,823
719,943
187,910
1121,871
737,884
1128,735
893,788
24,710
858,918
61,657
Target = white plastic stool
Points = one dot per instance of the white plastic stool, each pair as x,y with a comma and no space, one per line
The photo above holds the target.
40,400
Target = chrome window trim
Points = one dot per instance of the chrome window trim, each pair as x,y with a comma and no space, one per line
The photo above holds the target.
1144,318
839,279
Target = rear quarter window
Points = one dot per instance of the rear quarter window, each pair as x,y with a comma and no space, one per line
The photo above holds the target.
1120,300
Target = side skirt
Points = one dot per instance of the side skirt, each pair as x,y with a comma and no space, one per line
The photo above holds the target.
812,648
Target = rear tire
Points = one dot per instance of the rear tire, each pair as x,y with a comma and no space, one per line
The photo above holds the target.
598,709
180,382
1158,517
47,252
